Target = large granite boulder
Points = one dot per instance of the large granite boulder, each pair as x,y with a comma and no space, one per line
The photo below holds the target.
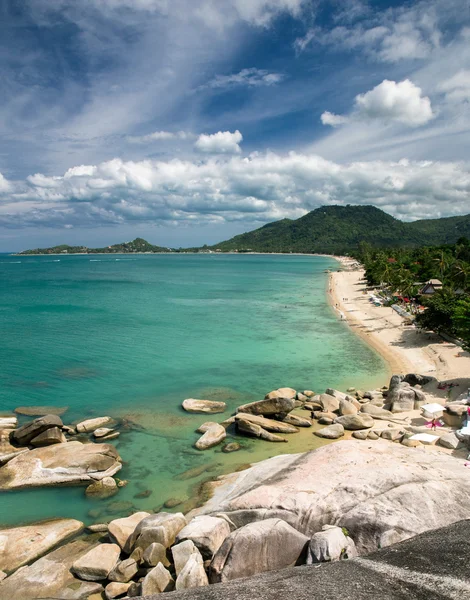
355,422
268,424
181,553
51,577
7,450
207,533
123,571
402,396
332,432
430,566
297,421
193,574
381,496
203,406
257,547
254,430
8,422
91,425
61,464
347,408
213,435
51,436
155,553
22,545
157,581
103,488
97,563
24,434
120,530
273,407
161,528
328,402
329,545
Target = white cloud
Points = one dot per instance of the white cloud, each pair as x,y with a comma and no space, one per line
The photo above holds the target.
333,120
401,102
222,142
260,188
246,77
158,136
389,102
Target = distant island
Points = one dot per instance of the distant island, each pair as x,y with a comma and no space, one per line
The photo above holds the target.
326,230
138,246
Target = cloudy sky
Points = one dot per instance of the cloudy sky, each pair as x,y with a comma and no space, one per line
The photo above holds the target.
188,121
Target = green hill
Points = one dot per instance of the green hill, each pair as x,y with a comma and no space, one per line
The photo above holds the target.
137,245
340,229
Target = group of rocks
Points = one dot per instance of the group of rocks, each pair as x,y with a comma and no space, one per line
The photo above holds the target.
45,452
355,411
264,419
146,554
358,412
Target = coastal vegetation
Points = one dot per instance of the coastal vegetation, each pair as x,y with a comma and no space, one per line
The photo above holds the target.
403,273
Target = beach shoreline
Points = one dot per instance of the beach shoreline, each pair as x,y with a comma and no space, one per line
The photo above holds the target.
404,348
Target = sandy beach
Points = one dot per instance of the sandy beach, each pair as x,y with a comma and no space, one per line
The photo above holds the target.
404,348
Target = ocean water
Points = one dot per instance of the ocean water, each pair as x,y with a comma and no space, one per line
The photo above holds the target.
133,336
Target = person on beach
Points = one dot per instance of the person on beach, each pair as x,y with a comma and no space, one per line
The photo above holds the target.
433,424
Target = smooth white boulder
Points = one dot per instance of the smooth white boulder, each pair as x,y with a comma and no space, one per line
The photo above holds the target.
121,529
207,533
381,495
97,563
22,545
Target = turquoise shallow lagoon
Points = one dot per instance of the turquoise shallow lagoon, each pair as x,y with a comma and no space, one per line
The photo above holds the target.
133,336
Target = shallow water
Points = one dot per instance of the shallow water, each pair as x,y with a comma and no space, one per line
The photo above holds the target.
133,336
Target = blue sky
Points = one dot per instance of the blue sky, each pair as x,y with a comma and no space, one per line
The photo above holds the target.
188,121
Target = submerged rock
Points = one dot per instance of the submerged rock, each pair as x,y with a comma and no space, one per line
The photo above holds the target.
203,406
231,447
22,545
41,411
72,463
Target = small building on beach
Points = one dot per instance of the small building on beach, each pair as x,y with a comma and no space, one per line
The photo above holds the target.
431,287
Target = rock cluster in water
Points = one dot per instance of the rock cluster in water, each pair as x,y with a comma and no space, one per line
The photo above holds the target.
45,452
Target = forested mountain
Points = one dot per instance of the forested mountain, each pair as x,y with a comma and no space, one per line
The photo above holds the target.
340,229
137,245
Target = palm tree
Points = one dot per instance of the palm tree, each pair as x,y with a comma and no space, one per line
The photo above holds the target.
461,274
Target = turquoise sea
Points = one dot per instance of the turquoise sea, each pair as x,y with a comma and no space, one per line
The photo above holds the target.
133,336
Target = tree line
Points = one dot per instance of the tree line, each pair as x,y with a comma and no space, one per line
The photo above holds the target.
404,272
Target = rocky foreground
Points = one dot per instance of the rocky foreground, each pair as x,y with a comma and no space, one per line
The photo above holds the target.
341,501
336,502
431,566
